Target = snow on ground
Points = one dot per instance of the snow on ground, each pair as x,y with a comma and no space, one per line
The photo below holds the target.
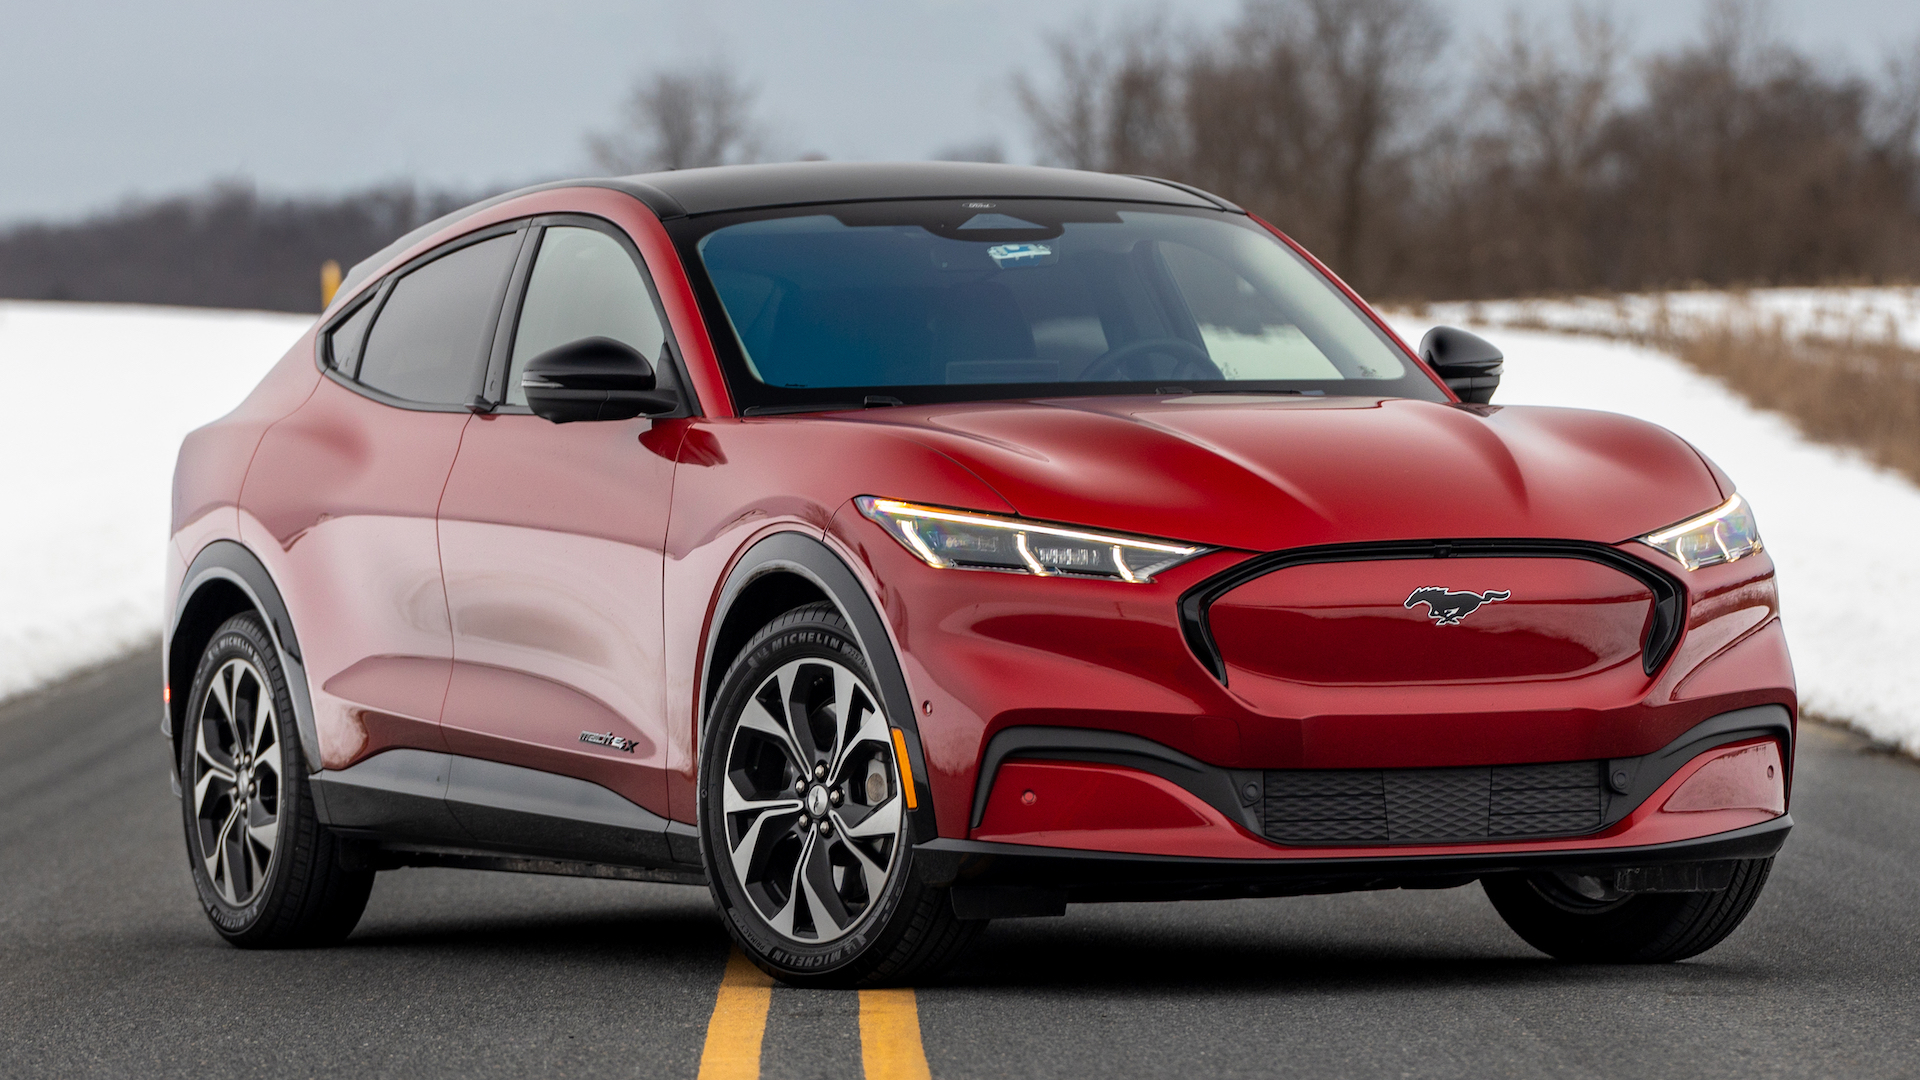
100,396
1839,528
97,399
1874,313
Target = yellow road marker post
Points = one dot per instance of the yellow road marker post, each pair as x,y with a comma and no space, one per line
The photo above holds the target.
890,1047
329,282
739,1022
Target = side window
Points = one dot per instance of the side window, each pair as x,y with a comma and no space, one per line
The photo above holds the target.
584,284
430,342
343,344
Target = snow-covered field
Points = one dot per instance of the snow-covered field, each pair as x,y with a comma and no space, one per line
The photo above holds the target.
97,399
1871,314
100,395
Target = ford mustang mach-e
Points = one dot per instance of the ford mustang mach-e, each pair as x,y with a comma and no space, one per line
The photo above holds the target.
892,548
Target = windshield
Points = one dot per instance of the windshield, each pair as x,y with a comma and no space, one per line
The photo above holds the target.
919,301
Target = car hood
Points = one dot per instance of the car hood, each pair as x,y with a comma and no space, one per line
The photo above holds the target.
1266,472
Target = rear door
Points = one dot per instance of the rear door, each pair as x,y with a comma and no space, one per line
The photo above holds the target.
341,496
551,539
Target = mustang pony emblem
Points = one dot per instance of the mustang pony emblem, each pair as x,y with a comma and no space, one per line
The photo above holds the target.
1447,608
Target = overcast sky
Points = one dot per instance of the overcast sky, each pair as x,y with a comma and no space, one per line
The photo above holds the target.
102,101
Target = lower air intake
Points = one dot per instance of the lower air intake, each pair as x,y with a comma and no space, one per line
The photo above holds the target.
1432,806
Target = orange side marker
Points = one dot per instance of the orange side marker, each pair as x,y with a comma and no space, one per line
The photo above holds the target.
906,768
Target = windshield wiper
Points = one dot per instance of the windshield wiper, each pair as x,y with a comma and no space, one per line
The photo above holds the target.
776,410
1235,390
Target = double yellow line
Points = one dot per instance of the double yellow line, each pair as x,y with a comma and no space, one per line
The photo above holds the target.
890,1047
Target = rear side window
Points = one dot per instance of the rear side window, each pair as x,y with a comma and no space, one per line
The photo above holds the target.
430,341
343,345
584,284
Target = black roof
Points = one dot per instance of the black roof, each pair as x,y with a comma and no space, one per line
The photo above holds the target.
742,187
690,192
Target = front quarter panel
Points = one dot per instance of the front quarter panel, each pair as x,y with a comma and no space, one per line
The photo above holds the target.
740,481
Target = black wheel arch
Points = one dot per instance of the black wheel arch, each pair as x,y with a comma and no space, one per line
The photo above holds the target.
224,580
785,571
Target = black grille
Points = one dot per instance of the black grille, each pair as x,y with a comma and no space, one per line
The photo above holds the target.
1427,806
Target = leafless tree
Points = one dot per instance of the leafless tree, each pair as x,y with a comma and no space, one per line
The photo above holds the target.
1117,100
683,120
1730,160
1530,161
1302,106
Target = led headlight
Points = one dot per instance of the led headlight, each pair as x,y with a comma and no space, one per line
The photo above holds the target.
965,540
1721,535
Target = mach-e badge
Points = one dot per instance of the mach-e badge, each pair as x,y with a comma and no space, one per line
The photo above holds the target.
608,739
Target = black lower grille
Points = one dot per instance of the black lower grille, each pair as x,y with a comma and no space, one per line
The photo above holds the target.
1430,806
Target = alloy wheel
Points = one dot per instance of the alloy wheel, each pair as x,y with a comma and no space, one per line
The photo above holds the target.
236,777
812,801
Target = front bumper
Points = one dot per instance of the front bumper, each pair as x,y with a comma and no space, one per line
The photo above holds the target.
993,880
991,656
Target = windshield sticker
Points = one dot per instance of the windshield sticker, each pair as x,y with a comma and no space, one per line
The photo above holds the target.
1008,256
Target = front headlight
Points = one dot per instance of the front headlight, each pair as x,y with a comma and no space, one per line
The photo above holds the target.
1721,535
964,540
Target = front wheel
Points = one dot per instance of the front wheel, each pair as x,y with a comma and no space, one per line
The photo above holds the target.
804,826
1574,918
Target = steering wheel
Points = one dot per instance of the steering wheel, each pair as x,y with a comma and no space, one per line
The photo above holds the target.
1129,362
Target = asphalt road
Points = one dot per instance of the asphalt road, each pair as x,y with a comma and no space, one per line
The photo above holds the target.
107,967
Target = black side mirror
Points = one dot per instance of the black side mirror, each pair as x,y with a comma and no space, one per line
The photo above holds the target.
594,378
1468,363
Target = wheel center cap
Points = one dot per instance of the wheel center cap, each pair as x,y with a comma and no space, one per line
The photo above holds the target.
817,801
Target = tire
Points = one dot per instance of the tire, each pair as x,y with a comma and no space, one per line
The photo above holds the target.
1643,928
275,878
804,830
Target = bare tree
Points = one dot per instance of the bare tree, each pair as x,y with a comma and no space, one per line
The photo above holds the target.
1532,162
1066,122
1372,56
683,120
1117,102
1306,109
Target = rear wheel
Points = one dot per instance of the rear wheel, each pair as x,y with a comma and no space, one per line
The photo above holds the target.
1573,918
268,873
804,824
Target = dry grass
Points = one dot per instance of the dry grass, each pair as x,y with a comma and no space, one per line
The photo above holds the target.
1858,393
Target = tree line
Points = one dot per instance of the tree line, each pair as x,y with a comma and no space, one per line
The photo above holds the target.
1418,165
225,247
1547,161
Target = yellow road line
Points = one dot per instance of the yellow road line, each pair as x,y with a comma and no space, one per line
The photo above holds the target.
739,1022
890,1046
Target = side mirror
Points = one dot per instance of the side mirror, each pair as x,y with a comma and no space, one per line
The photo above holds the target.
1468,363
594,378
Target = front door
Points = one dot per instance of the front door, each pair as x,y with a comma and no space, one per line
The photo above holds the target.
551,539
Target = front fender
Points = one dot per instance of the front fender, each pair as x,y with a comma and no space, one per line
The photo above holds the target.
797,553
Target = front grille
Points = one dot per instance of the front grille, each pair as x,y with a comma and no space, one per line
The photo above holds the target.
1431,806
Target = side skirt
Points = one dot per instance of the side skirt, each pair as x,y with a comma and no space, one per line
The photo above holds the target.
449,810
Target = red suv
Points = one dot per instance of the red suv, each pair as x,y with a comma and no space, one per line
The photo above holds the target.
893,548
